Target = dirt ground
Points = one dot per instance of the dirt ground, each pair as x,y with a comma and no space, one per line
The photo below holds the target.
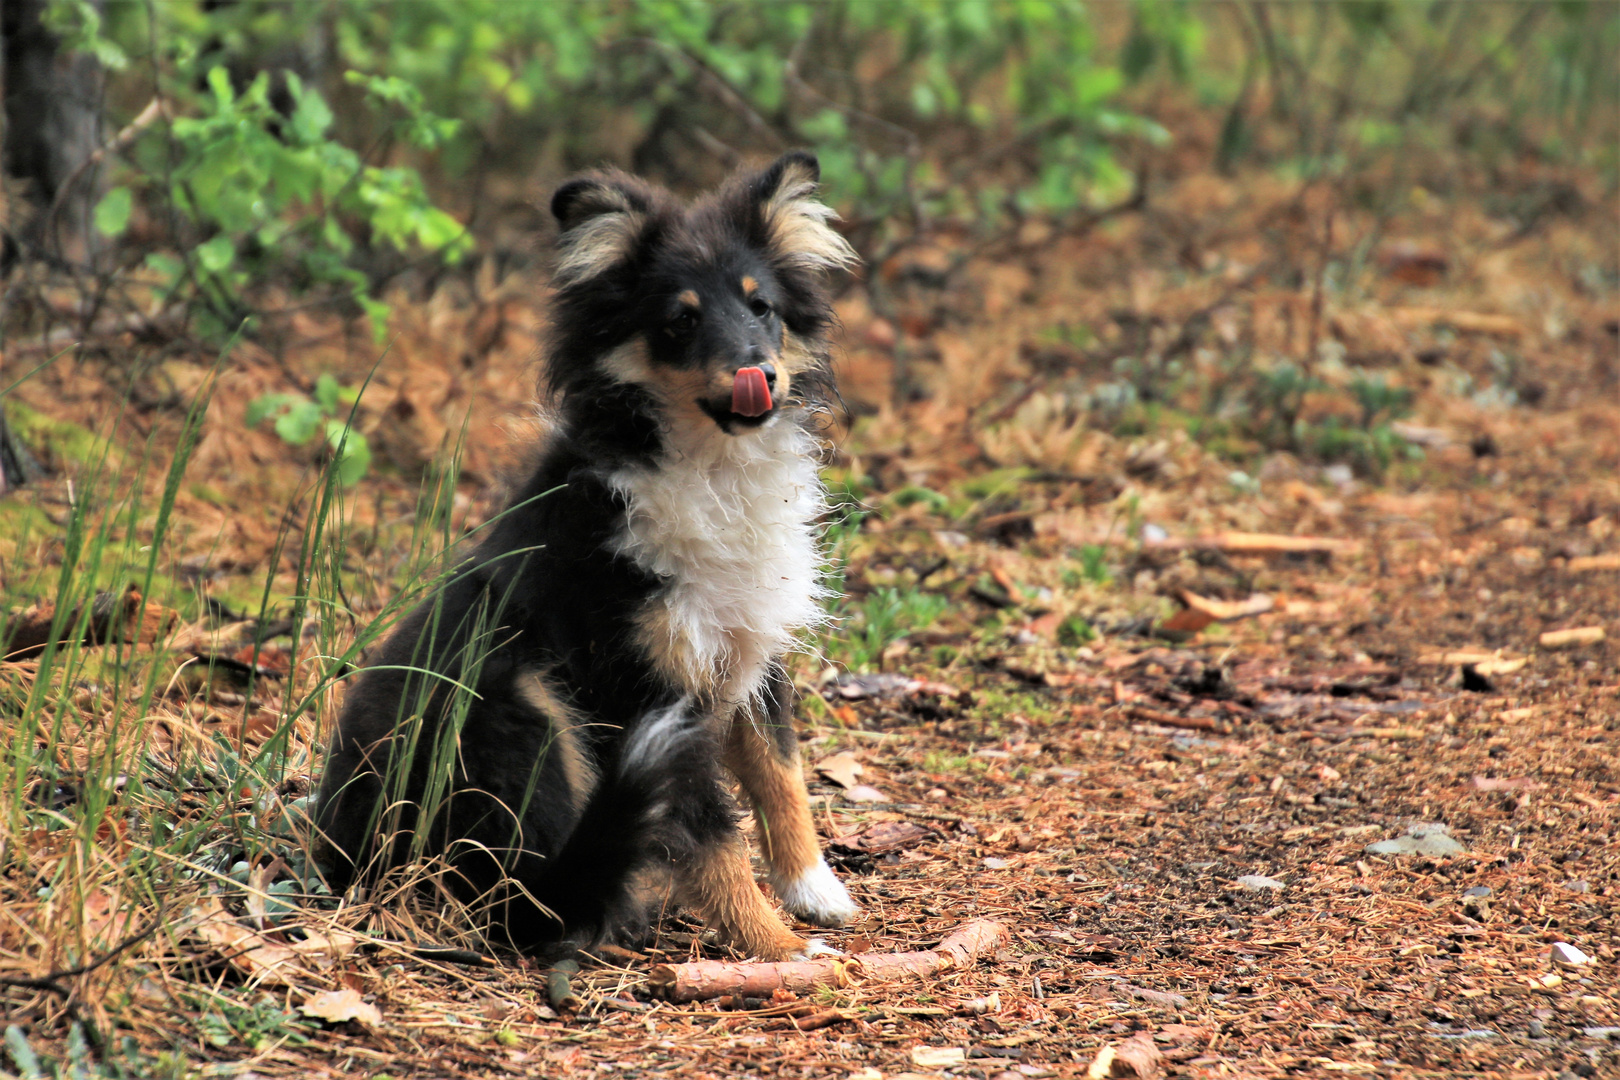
1172,815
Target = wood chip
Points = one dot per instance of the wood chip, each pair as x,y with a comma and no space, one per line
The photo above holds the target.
1587,563
1572,638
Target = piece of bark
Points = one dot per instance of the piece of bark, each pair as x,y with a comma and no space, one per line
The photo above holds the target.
1568,639
1469,322
1587,563
703,979
1136,1056
113,617
1242,543
1227,610
1190,723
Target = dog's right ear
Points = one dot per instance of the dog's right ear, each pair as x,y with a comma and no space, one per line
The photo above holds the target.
601,216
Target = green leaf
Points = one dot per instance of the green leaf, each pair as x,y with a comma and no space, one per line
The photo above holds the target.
297,425
112,212
353,452
22,1055
326,393
261,407
216,254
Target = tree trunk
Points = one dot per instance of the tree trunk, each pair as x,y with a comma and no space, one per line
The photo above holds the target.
52,126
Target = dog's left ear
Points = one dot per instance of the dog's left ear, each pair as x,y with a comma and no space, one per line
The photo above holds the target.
796,224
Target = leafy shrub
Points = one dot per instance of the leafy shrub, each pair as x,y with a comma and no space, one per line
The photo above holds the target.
329,413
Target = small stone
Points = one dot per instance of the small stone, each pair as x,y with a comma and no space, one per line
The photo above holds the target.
1577,886
1256,883
1153,534
1339,475
1536,1030
1478,892
937,1057
1432,840
1566,955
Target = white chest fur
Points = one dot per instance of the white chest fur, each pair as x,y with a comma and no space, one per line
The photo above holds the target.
728,523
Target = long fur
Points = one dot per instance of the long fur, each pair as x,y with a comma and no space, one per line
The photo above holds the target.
553,722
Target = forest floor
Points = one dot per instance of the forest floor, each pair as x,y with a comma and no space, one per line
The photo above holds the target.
1089,694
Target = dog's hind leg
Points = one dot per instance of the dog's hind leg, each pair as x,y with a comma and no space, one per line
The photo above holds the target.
762,751
718,884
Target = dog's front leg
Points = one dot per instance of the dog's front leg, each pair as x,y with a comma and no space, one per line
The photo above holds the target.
762,751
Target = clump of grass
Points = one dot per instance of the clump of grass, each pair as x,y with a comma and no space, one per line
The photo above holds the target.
871,625
135,792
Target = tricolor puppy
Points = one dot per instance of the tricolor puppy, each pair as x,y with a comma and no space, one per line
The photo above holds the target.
553,723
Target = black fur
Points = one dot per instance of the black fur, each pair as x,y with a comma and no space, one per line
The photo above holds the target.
543,592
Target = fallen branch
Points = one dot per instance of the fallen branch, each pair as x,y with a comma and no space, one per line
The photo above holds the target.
1190,723
1242,543
704,979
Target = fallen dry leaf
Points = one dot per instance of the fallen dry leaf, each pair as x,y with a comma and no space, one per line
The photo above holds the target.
339,1006
1136,1056
884,836
841,768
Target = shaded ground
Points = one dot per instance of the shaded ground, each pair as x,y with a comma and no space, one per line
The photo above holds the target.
1076,767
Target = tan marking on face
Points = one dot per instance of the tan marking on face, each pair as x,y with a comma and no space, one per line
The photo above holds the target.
749,286
629,363
796,356
578,772
690,298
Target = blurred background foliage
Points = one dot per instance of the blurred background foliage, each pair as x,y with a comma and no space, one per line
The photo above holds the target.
323,150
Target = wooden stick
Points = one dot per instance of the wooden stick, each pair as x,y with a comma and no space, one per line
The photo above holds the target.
1242,543
703,979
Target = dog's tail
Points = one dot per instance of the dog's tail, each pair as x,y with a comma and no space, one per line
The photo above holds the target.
585,889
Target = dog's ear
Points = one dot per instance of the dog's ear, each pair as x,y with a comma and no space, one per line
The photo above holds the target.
796,224
600,216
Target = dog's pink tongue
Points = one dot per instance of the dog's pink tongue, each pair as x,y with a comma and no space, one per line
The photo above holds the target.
750,395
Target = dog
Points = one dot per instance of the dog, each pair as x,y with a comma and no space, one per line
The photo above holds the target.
552,724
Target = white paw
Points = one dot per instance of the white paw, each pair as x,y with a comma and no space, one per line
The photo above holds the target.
817,897
816,947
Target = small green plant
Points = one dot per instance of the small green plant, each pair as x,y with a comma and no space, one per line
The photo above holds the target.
1378,399
1075,631
329,412
256,1024
1094,565
880,620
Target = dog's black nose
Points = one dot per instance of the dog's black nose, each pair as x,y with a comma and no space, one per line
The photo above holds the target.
770,375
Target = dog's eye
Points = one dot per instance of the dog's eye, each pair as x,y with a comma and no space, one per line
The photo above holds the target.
682,324
759,306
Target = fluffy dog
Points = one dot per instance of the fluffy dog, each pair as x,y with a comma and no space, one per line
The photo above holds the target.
553,722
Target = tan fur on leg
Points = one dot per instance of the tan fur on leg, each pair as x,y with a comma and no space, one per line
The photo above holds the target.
719,886
781,804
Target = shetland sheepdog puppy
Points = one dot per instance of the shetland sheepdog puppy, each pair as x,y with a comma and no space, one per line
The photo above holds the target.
555,724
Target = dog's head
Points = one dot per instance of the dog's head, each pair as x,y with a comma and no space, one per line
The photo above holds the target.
701,317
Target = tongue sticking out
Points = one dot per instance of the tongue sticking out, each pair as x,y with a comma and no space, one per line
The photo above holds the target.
750,395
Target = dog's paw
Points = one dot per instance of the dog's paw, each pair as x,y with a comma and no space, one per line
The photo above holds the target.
817,897
815,947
